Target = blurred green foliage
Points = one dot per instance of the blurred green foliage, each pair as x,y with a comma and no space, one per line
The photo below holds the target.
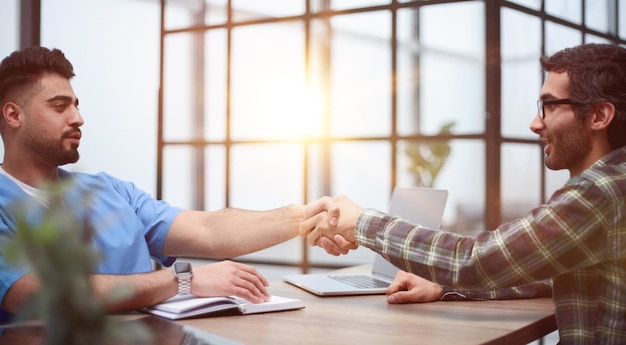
427,159
58,251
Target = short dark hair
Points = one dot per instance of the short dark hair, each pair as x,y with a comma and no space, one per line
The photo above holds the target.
23,68
597,72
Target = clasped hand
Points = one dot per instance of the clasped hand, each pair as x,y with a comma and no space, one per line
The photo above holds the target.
330,222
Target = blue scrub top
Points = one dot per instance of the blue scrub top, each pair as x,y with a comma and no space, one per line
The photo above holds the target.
130,225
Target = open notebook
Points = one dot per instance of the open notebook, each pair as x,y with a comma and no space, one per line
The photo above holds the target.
186,306
422,206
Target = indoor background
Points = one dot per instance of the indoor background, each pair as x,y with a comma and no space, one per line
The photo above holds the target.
258,104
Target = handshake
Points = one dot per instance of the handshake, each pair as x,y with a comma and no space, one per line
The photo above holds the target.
330,224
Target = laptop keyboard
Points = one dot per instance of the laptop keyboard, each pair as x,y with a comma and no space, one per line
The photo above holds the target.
361,281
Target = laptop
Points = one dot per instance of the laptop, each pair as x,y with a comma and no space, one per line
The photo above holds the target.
418,205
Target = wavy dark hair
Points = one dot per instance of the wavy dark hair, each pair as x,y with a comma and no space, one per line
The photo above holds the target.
597,73
21,70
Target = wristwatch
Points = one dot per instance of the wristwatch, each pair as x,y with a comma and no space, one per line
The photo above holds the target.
183,272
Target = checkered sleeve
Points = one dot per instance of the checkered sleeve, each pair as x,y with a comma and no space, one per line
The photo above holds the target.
564,234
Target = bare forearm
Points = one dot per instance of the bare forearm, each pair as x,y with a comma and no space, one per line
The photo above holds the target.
140,290
143,290
231,232
245,232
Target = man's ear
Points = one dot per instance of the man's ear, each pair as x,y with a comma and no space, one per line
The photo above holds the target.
11,113
602,115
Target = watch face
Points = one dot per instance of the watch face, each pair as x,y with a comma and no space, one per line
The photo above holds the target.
182,267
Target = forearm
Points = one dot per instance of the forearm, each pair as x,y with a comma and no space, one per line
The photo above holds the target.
134,291
231,232
243,232
142,290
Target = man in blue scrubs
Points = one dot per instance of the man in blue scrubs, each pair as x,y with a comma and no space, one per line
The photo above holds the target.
40,127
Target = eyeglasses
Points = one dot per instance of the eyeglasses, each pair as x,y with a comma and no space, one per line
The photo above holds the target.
541,103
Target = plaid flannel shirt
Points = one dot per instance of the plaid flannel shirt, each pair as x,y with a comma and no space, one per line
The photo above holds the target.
577,239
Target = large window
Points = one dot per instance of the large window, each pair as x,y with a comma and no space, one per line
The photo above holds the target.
288,101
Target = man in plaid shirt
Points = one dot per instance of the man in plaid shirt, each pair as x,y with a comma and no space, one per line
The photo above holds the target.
576,240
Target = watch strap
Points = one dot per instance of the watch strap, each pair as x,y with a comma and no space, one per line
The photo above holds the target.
183,272
184,284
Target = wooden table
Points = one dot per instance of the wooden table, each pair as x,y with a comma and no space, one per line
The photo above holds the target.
370,320
350,320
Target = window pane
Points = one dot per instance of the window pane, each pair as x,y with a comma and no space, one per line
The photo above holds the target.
589,38
316,172
454,28
215,177
597,16
181,14
265,176
215,85
451,70
565,9
254,9
559,37
268,85
362,170
178,84
521,180
178,178
464,212
360,74
216,12
521,76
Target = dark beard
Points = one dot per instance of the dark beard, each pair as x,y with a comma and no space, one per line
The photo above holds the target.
53,154
573,147
68,157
